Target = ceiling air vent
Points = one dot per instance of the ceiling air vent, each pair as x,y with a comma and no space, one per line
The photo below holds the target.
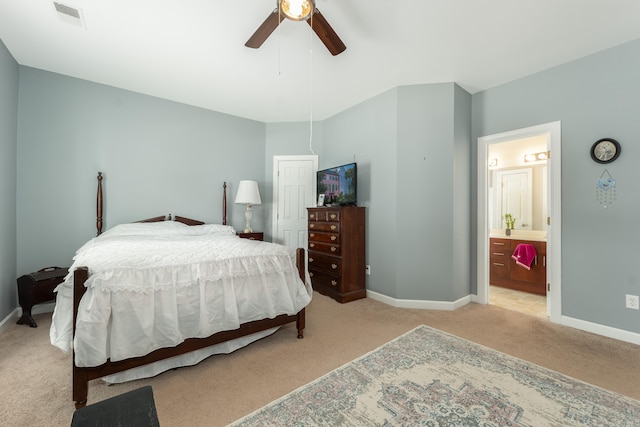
67,10
69,14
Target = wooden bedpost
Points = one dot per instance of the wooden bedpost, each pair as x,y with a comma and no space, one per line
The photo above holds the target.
99,205
300,263
224,203
80,377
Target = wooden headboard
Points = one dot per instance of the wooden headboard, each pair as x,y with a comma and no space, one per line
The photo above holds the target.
182,219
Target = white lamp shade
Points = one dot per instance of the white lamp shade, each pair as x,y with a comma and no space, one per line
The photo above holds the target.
248,193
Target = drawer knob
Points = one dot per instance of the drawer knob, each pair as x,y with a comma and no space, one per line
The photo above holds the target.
498,243
312,235
333,248
311,225
498,253
334,266
333,216
498,264
312,245
310,259
333,237
333,227
334,283
312,216
311,274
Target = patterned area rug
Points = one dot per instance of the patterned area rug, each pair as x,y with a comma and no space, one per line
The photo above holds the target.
429,378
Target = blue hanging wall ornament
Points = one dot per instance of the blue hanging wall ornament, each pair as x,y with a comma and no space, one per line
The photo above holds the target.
605,189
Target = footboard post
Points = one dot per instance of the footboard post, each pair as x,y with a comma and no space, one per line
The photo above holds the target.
80,377
300,262
300,323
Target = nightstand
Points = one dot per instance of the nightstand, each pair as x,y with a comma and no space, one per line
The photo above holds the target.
255,235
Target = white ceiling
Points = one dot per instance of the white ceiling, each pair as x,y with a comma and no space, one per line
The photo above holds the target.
192,51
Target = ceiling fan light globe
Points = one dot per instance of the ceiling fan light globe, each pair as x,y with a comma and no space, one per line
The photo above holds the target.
296,10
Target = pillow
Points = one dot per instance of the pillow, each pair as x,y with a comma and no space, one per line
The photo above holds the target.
210,229
146,229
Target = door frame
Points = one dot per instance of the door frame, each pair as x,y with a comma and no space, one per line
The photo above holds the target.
552,131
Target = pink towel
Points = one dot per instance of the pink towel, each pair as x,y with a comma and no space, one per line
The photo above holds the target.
524,255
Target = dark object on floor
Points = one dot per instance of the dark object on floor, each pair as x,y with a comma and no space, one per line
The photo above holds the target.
36,288
132,409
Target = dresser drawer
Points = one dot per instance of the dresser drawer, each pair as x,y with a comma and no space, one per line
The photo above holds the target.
324,247
500,254
324,226
324,215
317,215
499,270
318,278
315,236
498,244
333,216
325,262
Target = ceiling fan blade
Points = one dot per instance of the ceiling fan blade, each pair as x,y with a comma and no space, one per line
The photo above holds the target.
326,34
265,29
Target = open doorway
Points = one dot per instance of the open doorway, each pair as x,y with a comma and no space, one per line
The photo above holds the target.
502,156
517,187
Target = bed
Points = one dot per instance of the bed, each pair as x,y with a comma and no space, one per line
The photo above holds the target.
170,291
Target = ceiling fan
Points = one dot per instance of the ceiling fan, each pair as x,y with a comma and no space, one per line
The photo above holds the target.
298,10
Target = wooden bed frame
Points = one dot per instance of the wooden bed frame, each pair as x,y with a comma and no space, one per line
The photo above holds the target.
82,375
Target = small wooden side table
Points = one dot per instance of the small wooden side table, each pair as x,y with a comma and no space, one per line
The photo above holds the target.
255,235
36,288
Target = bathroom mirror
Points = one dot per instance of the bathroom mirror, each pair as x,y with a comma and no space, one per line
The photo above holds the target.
516,186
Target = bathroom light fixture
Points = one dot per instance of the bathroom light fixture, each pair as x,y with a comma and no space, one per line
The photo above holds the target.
297,10
536,157
248,193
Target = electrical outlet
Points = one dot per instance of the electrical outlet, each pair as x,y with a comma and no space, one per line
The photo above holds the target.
367,269
633,302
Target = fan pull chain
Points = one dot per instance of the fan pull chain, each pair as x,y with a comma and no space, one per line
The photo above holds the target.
311,87
279,42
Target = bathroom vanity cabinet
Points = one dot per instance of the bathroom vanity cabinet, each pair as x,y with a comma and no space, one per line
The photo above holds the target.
504,271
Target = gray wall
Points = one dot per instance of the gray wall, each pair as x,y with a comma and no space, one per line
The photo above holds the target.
409,143
367,134
594,97
9,78
158,157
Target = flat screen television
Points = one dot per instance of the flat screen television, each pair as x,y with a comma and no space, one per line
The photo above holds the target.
339,185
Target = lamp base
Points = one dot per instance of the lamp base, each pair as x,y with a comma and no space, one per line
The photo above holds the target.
247,218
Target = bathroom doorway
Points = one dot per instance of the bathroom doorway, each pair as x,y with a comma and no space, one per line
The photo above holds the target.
521,153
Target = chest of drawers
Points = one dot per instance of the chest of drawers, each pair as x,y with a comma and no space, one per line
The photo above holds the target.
337,251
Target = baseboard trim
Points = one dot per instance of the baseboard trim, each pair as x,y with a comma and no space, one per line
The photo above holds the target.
17,313
11,318
595,328
421,304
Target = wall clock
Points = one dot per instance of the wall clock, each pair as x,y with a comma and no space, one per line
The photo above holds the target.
605,150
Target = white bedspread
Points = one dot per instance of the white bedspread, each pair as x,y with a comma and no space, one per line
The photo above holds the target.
154,285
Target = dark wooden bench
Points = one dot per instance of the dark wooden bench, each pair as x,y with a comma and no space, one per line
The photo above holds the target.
36,288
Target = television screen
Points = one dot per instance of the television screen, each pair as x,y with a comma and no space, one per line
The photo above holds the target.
339,185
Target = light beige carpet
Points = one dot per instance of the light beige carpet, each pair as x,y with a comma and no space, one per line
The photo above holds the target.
36,377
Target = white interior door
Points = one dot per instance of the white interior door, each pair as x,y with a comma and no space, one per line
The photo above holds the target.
294,191
515,188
